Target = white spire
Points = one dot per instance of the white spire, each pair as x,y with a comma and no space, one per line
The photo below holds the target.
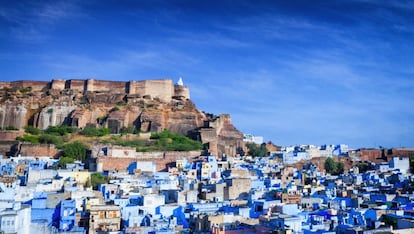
180,81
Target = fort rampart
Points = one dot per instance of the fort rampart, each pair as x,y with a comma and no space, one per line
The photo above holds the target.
163,89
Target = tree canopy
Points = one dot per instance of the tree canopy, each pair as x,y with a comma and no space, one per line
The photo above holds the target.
256,151
334,168
76,150
97,179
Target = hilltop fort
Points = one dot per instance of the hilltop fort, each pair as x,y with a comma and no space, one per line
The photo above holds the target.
144,105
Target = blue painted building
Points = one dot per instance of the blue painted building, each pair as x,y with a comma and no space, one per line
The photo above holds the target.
67,215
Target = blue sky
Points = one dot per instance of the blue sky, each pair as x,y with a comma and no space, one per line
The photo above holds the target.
295,72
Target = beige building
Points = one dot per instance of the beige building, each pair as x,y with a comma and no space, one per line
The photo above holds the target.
237,188
104,218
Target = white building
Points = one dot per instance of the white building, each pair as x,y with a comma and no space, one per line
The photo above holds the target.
15,220
254,139
293,157
401,163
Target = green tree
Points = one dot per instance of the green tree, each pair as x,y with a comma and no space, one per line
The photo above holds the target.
330,166
256,151
97,179
339,168
63,161
76,150
334,168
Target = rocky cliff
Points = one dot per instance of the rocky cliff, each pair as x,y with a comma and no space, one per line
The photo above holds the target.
147,106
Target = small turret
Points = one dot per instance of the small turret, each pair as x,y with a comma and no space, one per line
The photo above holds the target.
180,81
181,91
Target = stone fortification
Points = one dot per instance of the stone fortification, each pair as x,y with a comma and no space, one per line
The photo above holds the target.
221,136
145,106
43,104
163,89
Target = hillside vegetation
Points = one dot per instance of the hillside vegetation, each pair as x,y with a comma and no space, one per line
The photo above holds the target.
64,136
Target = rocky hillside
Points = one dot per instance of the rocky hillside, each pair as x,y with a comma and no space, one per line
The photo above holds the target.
146,106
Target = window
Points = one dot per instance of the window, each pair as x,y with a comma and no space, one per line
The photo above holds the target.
259,208
111,214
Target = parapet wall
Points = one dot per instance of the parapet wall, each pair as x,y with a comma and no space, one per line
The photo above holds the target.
106,86
163,89
20,84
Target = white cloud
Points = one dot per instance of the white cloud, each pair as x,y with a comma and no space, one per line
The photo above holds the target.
32,21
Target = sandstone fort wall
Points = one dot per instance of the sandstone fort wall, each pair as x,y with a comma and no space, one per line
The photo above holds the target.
35,85
7,135
106,86
47,150
76,85
58,84
164,89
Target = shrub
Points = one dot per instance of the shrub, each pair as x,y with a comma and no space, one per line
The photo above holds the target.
25,90
93,131
63,161
167,140
51,139
11,128
76,150
97,179
60,130
29,138
32,130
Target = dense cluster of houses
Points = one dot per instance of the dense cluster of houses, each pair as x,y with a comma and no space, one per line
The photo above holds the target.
211,195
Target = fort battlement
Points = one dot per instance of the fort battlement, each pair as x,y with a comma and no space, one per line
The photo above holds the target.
163,89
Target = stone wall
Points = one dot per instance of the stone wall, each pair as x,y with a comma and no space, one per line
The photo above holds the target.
35,85
369,154
10,135
106,86
164,89
45,150
161,159
58,84
76,85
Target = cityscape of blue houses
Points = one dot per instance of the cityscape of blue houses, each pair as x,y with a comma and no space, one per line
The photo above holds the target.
284,192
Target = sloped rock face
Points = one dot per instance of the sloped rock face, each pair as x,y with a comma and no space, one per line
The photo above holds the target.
139,105
221,136
44,107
